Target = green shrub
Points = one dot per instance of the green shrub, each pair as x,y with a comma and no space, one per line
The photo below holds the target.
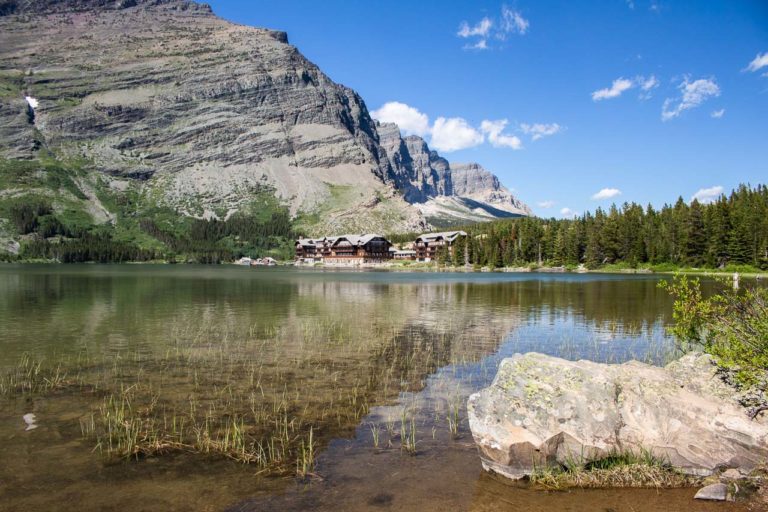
742,268
663,267
731,325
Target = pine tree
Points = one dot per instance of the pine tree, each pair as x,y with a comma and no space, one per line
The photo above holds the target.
593,252
459,252
717,220
610,238
695,236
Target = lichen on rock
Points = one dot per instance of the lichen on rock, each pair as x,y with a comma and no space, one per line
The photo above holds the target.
543,411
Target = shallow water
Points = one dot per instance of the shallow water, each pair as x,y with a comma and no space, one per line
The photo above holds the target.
352,355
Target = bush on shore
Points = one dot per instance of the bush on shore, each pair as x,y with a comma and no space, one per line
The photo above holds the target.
732,326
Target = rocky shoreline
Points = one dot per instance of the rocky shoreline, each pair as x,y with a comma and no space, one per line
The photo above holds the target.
546,412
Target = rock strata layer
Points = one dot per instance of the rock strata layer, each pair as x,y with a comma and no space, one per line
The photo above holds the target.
544,411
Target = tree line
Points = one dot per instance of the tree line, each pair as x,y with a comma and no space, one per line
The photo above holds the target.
90,247
732,230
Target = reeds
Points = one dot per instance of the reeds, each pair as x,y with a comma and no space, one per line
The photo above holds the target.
31,376
408,433
453,418
305,462
268,402
375,433
621,469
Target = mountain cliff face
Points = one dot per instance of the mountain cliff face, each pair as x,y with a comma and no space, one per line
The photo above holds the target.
445,193
472,181
416,170
189,111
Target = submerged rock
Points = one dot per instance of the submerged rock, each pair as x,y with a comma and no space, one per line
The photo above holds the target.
545,411
31,420
714,492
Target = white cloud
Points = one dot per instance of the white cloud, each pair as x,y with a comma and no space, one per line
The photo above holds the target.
546,204
453,134
31,101
498,139
614,91
482,28
482,44
606,193
539,130
620,85
693,94
759,62
512,21
409,119
568,213
649,83
708,195
717,114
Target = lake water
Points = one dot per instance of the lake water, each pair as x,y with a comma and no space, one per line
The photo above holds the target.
324,374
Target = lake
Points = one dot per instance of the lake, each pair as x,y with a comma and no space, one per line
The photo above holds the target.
232,388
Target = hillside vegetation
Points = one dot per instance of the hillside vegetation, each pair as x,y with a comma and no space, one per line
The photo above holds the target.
54,210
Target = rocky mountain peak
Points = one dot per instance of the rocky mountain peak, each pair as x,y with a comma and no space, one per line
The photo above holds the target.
471,177
466,192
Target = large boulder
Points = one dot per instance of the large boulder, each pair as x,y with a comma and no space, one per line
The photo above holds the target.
545,411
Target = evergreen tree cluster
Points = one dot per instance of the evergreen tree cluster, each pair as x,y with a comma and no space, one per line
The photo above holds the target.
731,230
214,241
99,248
25,216
36,216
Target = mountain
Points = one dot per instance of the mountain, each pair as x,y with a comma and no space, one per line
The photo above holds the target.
446,194
120,108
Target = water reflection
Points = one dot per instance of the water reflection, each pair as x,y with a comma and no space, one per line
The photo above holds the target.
48,309
352,354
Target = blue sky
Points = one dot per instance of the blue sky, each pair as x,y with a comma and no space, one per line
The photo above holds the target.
644,100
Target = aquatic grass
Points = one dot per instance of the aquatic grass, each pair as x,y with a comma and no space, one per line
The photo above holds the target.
453,418
638,469
124,431
375,433
305,462
225,392
32,376
408,433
